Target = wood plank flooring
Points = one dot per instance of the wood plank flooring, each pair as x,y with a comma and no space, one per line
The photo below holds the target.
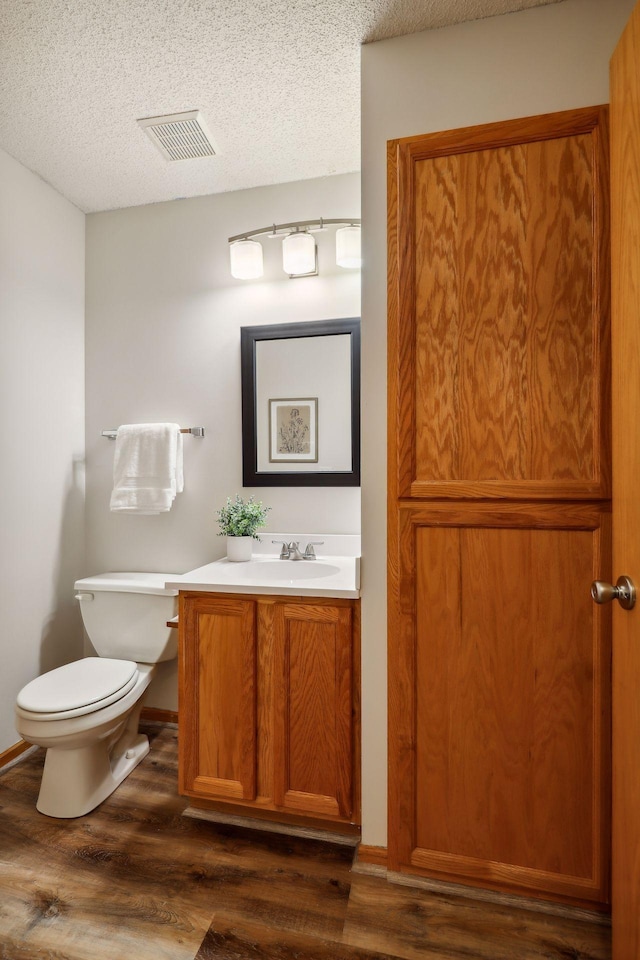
135,880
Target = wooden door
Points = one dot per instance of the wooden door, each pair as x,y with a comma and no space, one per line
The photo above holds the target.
499,479
625,220
313,743
217,706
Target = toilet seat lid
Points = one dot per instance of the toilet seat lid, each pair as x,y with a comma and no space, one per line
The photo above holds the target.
89,683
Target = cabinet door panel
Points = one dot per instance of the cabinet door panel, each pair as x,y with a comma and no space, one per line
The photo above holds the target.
218,698
500,724
313,749
499,311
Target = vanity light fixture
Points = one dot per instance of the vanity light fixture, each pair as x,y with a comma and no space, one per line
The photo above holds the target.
299,248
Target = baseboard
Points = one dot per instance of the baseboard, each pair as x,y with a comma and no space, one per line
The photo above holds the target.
12,752
515,900
156,715
375,855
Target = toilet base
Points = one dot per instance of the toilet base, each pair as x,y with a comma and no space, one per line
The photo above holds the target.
77,778
75,781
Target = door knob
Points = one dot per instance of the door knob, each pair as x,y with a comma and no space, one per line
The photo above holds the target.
624,592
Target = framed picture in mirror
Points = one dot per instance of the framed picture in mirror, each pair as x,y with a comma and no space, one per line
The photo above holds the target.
293,430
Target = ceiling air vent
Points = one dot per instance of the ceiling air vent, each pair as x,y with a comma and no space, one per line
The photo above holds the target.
179,136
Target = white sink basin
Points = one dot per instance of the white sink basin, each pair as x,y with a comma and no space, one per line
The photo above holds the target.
325,577
285,570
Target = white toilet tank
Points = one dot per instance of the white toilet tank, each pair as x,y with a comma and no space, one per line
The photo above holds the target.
125,615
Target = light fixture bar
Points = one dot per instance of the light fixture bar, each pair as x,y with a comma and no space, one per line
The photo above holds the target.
275,228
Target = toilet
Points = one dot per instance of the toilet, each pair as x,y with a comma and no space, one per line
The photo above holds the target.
86,713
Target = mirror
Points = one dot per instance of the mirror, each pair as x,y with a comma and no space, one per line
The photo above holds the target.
301,404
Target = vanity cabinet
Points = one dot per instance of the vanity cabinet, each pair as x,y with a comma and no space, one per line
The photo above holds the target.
269,705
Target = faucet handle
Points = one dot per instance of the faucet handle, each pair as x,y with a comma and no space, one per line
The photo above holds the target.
284,553
309,553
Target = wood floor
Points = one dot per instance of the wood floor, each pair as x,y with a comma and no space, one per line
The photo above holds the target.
136,880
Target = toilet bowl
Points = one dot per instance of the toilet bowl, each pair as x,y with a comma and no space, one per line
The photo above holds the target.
86,713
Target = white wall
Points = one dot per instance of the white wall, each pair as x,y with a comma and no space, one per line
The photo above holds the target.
41,430
163,343
536,61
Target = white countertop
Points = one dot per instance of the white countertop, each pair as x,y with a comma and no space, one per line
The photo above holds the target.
335,576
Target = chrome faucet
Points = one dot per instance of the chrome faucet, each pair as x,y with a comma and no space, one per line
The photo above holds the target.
291,551
294,551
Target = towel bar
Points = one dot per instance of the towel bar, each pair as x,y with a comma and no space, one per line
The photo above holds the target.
194,431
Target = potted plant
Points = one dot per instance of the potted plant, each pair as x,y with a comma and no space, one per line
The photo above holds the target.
239,520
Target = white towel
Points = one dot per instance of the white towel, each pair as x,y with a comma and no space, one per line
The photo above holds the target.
147,468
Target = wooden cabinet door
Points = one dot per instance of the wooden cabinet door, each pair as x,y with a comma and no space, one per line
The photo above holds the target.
499,310
313,726
499,428
499,722
218,736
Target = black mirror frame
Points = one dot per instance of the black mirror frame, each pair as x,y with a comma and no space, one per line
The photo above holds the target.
249,337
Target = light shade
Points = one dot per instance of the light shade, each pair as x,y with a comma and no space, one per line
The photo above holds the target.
299,254
246,259
348,253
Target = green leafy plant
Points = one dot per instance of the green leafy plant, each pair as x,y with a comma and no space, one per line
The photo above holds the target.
241,518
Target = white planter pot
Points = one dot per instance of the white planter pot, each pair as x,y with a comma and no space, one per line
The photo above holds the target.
239,549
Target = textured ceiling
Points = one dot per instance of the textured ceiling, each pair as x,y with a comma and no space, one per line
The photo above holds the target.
277,82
